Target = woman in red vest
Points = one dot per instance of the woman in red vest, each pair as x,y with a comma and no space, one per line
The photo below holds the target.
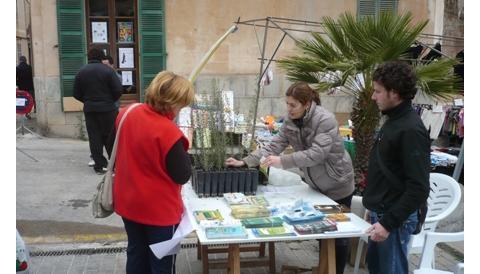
151,166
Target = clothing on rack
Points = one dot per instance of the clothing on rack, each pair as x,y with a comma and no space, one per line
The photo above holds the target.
433,121
454,121
432,55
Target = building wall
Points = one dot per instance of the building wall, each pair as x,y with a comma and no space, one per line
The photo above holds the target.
22,35
192,27
453,27
51,119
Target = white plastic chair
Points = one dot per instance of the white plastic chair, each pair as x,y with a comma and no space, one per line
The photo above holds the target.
428,254
445,195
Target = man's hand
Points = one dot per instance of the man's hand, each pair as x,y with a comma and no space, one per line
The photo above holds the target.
273,161
377,232
234,162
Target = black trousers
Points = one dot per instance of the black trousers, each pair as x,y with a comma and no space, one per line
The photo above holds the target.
140,258
341,244
100,131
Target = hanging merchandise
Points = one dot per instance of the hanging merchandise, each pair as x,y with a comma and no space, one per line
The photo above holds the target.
433,121
267,77
414,52
458,69
432,55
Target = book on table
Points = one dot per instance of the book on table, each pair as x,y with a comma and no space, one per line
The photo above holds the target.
329,209
277,231
315,227
262,222
338,217
303,216
209,215
226,232
237,198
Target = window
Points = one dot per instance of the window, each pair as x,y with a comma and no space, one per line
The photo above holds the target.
112,26
375,7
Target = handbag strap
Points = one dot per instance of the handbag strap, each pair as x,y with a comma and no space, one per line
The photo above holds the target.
111,162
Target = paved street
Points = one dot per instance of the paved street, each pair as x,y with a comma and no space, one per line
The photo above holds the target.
54,188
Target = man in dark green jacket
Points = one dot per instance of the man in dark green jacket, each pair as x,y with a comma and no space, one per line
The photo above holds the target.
398,170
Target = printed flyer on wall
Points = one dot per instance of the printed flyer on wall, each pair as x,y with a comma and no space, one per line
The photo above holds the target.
125,57
125,32
99,32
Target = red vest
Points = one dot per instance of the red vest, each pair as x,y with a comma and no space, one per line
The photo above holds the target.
143,191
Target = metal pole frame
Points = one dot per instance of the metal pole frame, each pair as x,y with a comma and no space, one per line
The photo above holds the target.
262,71
276,21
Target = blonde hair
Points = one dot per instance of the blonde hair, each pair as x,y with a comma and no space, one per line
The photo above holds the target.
168,90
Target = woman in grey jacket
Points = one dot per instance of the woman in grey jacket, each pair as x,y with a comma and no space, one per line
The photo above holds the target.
313,133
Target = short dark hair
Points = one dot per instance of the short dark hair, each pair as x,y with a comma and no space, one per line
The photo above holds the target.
22,59
109,58
96,54
398,76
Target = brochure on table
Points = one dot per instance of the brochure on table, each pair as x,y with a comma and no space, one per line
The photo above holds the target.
275,196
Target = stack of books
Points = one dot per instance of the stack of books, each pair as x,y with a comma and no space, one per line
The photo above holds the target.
315,227
262,222
249,211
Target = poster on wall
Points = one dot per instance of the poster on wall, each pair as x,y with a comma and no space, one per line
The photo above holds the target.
99,32
127,78
125,32
125,58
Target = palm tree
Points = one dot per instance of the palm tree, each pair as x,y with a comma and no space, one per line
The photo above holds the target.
345,57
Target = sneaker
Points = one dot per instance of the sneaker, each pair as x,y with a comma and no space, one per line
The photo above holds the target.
91,163
101,171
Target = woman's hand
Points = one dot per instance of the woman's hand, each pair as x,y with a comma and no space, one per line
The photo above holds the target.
274,161
234,162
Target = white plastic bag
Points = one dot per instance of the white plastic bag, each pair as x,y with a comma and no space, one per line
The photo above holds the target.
22,255
281,177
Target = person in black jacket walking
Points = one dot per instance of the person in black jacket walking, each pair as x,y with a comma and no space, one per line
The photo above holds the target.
398,170
97,86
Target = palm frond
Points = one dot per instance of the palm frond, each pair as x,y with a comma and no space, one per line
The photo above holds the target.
437,79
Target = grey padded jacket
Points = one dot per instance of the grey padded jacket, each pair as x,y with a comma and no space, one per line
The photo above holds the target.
319,153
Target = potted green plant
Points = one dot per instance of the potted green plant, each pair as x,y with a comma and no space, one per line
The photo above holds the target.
212,144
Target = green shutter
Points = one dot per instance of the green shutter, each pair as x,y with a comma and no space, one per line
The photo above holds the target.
366,7
152,41
71,42
388,5
375,7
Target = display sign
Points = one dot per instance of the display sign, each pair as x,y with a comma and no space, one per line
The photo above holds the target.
24,102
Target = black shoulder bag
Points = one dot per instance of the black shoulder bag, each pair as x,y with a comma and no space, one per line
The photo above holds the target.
422,211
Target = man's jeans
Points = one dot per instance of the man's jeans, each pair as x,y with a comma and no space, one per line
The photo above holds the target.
390,255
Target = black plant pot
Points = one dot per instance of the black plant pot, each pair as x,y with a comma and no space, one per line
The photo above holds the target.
214,183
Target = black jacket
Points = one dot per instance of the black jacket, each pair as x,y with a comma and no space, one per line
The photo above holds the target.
404,147
24,77
97,86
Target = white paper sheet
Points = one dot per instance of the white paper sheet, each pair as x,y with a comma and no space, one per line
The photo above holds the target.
172,246
99,32
125,58
127,78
